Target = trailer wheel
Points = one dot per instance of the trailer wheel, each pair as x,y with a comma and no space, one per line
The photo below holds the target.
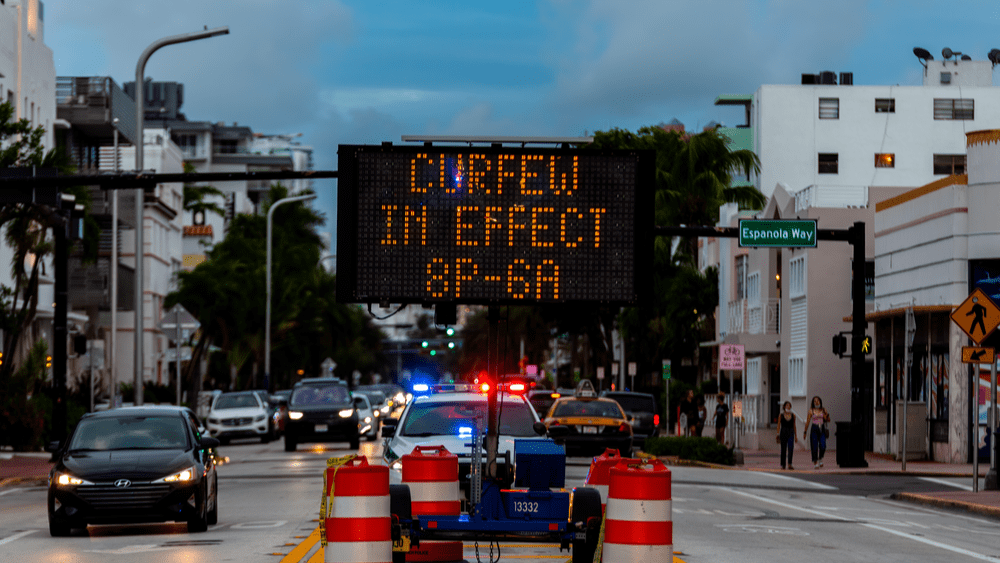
586,515
401,508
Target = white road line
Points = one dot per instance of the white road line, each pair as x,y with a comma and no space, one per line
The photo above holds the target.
949,483
16,537
2,493
920,539
802,481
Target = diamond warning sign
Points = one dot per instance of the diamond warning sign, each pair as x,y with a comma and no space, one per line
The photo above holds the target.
977,316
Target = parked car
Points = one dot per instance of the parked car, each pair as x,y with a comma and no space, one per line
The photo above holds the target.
239,415
132,465
321,410
594,424
641,411
367,422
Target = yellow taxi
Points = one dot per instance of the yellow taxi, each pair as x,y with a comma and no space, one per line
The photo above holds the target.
590,424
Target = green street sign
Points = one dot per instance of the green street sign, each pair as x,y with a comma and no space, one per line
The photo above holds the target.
778,232
666,369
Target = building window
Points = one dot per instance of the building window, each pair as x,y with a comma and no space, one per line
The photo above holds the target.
885,160
945,78
949,108
753,376
827,163
797,277
226,146
741,276
949,164
885,105
753,288
829,108
796,377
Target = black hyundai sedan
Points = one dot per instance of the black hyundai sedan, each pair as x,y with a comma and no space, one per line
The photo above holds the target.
131,465
321,410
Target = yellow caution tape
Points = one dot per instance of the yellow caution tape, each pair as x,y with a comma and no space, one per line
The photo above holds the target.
336,463
599,550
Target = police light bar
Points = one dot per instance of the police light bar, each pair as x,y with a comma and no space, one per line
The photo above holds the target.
454,388
516,387
420,387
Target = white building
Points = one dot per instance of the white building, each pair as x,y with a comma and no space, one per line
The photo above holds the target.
841,150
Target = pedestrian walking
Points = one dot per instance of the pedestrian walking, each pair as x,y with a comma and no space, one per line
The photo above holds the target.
787,436
702,415
721,418
690,413
816,429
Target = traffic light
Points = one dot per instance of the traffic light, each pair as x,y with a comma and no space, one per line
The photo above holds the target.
450,331
839,345
866,345
48,362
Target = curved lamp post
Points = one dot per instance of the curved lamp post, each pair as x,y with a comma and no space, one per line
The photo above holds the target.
140,107
267,307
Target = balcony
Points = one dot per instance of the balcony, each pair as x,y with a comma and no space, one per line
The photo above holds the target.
754,316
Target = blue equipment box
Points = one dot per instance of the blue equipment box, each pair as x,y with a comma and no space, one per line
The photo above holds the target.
535,505
539,465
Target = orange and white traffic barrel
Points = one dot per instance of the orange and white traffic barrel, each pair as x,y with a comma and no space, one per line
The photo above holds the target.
432,475
638,520
599,474
357,521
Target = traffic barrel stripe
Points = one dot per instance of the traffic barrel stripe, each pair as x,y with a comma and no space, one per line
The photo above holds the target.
427,491
635,532
640,510
351,552
638,525
358,529
359,507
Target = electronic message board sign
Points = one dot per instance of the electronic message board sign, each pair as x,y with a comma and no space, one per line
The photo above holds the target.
493,225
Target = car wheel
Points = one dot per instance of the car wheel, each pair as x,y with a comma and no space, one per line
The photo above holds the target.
586,512
400,507
199,523
213,515
289,443
58,529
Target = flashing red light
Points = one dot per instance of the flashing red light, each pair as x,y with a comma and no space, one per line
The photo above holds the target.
516,388
656,420
485,387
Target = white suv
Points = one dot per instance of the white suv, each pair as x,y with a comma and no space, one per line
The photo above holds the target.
445,418
239,415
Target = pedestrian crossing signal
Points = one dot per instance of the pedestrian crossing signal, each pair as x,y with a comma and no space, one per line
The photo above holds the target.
866,345
839,345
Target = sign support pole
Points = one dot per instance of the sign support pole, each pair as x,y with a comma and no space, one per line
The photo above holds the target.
991,475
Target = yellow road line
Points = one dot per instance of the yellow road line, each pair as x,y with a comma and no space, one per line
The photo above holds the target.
300,550
319,556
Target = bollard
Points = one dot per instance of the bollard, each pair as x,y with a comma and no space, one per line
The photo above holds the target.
432,475
357,524
638,521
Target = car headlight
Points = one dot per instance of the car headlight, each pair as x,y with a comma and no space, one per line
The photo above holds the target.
376,412
397,465
179,477
65,479
295,415
346,413
368,419
259,418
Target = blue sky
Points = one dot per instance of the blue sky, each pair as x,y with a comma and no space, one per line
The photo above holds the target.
352,71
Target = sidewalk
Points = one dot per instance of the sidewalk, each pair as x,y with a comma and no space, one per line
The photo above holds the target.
24,467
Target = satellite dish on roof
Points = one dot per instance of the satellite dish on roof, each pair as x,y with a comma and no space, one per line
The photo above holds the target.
966,58
923,55
946,53
994,56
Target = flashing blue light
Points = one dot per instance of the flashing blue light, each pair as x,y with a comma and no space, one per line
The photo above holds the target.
464,431
421,387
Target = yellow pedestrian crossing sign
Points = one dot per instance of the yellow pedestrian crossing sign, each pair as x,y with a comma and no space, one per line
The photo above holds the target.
977,316
866,345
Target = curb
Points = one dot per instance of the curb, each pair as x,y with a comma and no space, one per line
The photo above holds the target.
948,503
14,481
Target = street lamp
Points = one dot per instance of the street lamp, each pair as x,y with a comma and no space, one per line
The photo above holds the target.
140,107
267,307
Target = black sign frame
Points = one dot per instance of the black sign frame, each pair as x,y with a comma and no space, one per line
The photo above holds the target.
628,288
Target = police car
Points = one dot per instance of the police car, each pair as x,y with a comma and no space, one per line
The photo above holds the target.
447,417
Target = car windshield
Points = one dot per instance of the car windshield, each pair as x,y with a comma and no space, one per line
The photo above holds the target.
634,403
455,417
133,432
308,395
587,408
236,402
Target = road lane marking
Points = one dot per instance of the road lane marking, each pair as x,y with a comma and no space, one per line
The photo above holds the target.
920,539
17,536
296,555
2,493
949,483
803,481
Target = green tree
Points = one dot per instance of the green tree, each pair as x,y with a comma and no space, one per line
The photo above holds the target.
694,177
227,294
195,196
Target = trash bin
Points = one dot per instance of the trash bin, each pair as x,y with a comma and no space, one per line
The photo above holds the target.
850,445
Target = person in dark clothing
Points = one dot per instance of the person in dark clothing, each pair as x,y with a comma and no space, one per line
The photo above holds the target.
721,418
702,416
690,412
787,436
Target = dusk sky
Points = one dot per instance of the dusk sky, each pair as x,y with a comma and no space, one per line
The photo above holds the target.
367,72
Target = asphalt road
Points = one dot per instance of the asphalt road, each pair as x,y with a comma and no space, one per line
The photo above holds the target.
269,503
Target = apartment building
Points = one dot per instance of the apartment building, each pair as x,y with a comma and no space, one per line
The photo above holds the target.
833,152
